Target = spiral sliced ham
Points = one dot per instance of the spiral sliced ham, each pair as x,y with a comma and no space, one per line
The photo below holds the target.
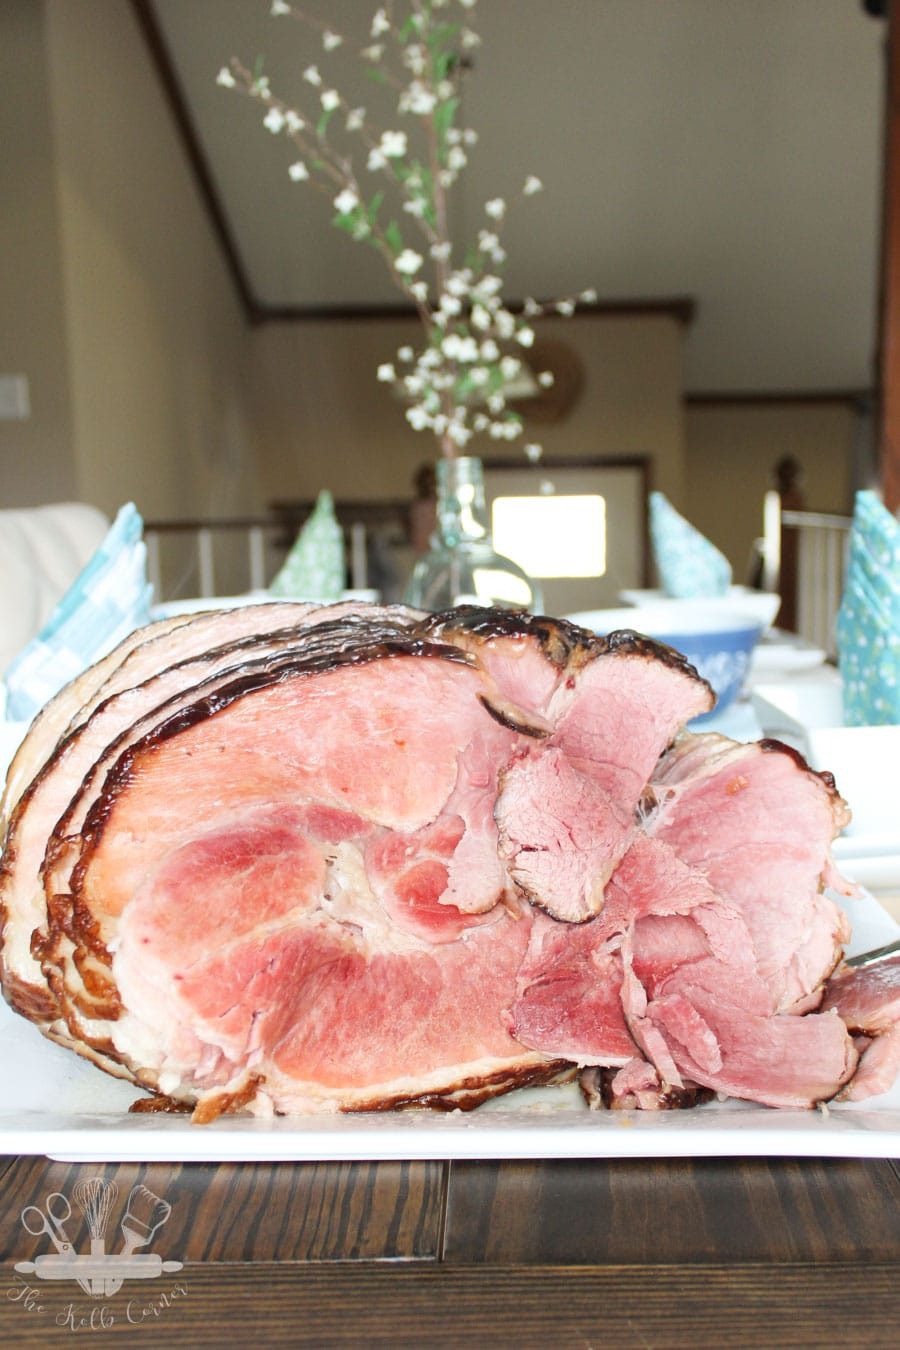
296,859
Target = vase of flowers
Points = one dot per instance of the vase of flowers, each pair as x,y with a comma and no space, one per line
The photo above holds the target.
395,198
461,565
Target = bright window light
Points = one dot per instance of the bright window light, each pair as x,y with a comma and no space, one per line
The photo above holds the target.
552,536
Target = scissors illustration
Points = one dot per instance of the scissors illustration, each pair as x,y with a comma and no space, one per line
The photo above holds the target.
58,1211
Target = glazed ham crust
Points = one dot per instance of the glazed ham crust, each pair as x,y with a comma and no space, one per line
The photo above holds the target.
349,858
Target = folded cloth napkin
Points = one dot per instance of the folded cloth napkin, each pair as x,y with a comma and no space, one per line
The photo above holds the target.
108,599
868,622
689,566
314,569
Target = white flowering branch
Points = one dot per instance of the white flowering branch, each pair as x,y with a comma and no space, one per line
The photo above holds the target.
456,385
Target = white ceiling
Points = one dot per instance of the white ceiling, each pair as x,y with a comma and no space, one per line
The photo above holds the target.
727,150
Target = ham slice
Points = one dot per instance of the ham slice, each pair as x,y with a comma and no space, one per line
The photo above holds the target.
294,859
867,999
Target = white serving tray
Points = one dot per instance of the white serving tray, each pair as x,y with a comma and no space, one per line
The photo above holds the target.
56,1104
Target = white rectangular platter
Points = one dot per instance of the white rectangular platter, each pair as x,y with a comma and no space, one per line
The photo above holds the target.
59,1105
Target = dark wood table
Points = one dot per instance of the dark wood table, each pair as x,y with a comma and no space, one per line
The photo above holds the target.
717,1252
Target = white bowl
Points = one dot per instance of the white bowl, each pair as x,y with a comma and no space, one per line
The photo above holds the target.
760,606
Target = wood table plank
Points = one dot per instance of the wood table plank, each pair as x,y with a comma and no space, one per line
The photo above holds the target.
630,1307
698,1210
234,1212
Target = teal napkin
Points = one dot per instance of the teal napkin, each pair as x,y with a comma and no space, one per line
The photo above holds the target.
108,599
314,569
868,622
689,566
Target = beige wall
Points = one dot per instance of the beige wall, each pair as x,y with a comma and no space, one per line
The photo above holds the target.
324,421
731,452
36,456
137,333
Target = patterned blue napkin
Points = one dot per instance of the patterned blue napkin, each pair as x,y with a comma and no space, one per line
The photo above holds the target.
107,600
868,622
689,566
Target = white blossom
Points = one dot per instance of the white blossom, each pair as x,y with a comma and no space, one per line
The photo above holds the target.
405,353
376,160
331,40
279,7
532,185
467,4
450,304
274,120
504,323
225,78
415,59
458,283
480,318
533,452
346,201
510,367
546,379
380,23
298,171
495,208
487,240
430,358
469,40
408,262
386,372
356,119
419,289
293,121
460,348
393,144
312,76
589,296
415,207
373,53
489,350
479,375
417,98
330,100
531,308
566,308
418,418
456,158
525,336
470,136
440,251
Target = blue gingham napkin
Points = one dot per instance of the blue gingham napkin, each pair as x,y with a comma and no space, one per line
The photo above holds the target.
107,600
689,566
868,622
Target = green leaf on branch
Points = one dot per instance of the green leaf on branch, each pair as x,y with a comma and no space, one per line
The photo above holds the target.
394,238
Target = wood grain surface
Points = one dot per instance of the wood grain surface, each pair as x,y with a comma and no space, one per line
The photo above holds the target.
663,1308
265,1212
651,1254
652,1211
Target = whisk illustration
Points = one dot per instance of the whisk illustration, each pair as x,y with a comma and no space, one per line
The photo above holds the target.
95,1198
101,1273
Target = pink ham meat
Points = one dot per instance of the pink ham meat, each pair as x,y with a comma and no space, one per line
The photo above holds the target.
331,859
867,999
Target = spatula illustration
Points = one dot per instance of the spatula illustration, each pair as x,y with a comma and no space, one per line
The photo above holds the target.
145,1214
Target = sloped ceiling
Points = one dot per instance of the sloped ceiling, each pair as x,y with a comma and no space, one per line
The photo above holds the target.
725,150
